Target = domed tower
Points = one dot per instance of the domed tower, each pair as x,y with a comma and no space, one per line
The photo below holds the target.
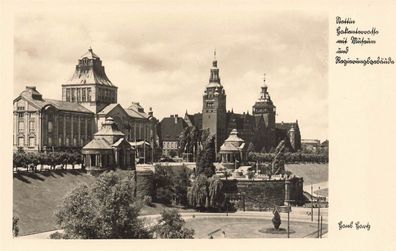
214,106
89,84
264,112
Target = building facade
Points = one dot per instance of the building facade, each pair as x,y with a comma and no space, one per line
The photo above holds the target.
171,129
259,130
109,149
49,125
88,99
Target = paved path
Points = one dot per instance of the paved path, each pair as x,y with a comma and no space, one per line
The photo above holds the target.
298,214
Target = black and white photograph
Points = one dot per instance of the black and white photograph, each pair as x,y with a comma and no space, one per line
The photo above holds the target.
169,127
221,124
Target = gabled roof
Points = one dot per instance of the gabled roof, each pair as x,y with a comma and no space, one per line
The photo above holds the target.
135,110
121,141
172,127
108,109
109,128
194,120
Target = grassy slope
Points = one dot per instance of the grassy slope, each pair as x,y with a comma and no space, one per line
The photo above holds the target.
312,173
37,195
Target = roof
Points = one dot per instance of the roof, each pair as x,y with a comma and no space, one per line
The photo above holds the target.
233,143
234,137
109,128
120,141
68,106
89,54
98,143
172,127
91,72
139,143
107,109
135,110
286,126
34,97
194,120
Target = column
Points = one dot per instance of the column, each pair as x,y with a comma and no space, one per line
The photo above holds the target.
64,131
26,128
39,140
71,130
79,131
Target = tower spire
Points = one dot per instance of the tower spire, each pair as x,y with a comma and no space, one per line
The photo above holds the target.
214,72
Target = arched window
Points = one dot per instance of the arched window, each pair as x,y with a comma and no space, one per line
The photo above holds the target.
50,126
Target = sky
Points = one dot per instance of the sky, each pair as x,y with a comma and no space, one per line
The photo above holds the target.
162,58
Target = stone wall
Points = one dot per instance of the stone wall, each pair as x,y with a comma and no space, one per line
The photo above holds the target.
263,194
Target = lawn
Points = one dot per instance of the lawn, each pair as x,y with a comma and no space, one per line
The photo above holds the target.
36,196
246,228
312,173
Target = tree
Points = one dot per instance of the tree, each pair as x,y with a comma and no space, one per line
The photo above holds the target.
206,158
206,193
216,194
105,210
171,226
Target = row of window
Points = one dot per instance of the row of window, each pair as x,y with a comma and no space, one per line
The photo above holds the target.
106,95
21,125
78,94
169,145
32,141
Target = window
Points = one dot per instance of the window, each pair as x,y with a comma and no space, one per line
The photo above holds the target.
31,125
83,95
79,94
81,141
89,94
67,141
50,126
20,108
21,126
60,141
32,141
74,141
49,141
68,95
73,95
21,141
20,115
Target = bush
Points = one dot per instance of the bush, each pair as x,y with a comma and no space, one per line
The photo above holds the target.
15,227
276,220
147,200
57,235
171,226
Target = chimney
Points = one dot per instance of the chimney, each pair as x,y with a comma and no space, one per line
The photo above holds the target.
31,88
176,117
151,112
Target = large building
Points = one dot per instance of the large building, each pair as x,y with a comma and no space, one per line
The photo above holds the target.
45,124
88,99
259,130
171,129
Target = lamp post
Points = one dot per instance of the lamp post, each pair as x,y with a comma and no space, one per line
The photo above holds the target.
311,203
318,214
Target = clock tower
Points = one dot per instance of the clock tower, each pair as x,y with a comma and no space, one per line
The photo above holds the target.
214,107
